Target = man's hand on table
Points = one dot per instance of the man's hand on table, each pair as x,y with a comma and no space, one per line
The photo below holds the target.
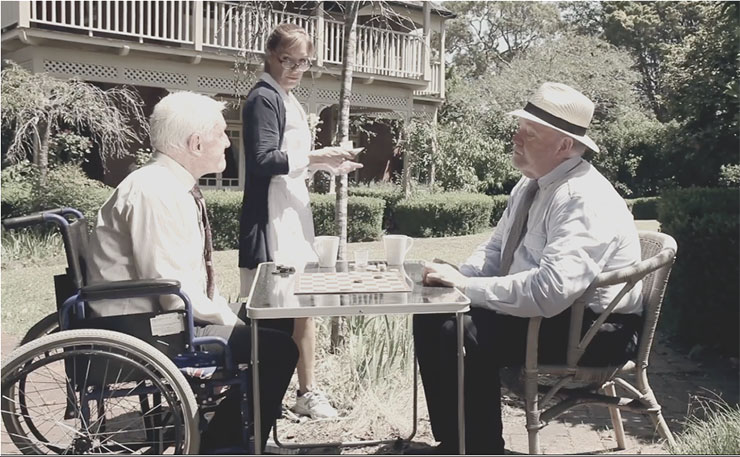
439,274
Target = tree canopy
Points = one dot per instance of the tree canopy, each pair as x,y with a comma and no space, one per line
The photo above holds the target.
663,75
35,106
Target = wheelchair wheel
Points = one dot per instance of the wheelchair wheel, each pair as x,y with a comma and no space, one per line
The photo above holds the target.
96,392
46,326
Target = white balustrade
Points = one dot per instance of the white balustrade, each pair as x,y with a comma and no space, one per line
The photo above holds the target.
234,26
163,20
435,83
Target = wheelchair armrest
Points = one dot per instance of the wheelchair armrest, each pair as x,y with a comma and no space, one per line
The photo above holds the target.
129,289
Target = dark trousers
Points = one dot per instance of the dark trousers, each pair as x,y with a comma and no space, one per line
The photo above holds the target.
492,341
278,356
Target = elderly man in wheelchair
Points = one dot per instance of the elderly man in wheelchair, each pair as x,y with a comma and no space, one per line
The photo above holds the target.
144,354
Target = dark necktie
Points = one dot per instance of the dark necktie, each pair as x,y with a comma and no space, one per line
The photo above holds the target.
208,248
518,226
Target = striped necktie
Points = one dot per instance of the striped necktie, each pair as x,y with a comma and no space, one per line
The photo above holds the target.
518,226
208,248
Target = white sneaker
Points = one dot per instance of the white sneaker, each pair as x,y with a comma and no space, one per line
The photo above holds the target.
315,404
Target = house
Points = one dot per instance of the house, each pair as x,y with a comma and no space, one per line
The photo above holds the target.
216,48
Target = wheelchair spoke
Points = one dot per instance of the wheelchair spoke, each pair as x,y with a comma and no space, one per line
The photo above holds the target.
92,394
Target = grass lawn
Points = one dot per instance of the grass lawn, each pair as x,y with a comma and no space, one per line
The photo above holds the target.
28,290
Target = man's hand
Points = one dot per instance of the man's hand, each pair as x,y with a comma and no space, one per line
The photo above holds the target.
436,274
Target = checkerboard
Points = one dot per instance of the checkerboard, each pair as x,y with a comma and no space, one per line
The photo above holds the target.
351,282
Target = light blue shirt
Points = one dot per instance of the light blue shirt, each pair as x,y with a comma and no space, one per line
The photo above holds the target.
578,227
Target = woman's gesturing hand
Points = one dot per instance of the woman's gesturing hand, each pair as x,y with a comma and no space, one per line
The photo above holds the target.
334,159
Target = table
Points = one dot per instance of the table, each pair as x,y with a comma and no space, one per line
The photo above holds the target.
272,297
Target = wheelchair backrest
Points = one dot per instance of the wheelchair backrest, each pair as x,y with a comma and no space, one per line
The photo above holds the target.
75,246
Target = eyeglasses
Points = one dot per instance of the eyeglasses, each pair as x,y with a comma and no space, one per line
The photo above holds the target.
301,65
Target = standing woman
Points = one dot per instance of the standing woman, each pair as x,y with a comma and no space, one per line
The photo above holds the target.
276,222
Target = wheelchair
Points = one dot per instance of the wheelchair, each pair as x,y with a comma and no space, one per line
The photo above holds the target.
130,384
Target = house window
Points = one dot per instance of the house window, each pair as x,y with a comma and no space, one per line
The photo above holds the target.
229,178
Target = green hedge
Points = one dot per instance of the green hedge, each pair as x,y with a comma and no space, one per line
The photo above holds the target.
67,185
392,194
701,303
644,208
443,214
499,206
224,210
365,216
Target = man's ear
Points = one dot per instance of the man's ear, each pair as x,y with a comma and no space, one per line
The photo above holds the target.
194,143
565,146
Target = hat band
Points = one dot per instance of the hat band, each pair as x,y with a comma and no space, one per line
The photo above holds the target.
555,121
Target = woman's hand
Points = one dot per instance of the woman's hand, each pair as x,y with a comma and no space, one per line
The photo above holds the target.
343,169
333,156
334,159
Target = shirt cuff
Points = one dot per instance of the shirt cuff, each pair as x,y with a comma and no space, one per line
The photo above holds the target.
476,290
297,162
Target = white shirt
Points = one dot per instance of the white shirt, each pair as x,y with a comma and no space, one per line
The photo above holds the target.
578,227
290,230
149,229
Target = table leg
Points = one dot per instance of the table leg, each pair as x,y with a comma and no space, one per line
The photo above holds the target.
460,384
257,417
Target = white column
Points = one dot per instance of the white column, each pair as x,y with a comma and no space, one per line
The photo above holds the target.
442,72
24,14
426,50
198,25
320,41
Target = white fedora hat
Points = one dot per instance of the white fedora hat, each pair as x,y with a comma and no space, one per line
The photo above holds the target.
562,108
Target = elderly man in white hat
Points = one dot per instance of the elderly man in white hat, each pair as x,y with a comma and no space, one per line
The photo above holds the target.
564,225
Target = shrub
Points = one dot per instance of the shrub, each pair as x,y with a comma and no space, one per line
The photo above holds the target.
644,208
69,186
224,210
702,296
729,175
17,186
499,206
365,216
385,191
443,214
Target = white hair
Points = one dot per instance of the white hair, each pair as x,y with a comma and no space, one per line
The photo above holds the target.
180,115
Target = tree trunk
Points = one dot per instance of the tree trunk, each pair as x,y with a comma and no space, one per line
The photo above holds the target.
432,168
408,158
340,217
42,155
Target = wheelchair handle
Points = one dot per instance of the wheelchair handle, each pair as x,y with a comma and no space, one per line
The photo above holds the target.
53,215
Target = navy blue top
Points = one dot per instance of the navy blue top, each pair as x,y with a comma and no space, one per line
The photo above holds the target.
263,126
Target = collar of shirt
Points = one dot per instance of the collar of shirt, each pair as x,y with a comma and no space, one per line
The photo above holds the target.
181,175
266,77
559,172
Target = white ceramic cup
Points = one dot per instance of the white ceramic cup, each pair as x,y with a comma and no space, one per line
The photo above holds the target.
396,248
326,248
361,257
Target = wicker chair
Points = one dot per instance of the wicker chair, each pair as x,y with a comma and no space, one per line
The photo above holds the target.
566,382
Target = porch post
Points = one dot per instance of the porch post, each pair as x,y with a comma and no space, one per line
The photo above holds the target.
198,25
24,14
426,49
442,72
319,38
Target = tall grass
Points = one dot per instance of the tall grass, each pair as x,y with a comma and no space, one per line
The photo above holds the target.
713,427
23,247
